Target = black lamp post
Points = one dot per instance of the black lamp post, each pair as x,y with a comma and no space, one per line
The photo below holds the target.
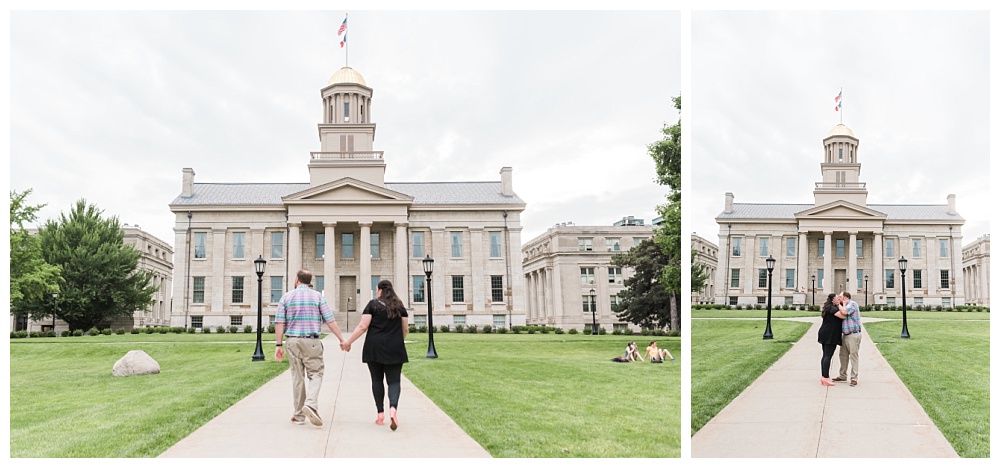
258,354
866,292
902,269
770,268
55,297
593,311
814,289
428,271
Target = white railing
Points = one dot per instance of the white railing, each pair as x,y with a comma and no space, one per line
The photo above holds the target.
347,155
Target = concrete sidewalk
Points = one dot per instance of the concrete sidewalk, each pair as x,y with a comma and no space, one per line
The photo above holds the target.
787,413
259,425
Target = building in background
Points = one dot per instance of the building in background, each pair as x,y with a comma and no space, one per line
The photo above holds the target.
568,275
840,242
976,271
706,254
351,229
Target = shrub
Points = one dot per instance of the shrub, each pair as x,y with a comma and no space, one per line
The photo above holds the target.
77,332
93,331
248,329
559,331
487,329
220,329
35,334
270,328
459,328
120,331
50,334
444,328
177,329
587,330
135,331
531,330
19,334
106,331
501,330
470,329
545,330
67,333
412,328
190,330
163,330
149,330
572,331
233,329
602,331
206,330
421,329
516,329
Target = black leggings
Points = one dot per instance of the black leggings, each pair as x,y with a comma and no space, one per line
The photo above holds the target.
391,374
828,350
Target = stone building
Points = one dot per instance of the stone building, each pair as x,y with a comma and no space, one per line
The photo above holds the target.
569,278
976,271
839,242
351,229
706,254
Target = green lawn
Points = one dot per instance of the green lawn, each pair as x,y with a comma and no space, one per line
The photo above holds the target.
946,365
519,395
728,355
725,313
925,315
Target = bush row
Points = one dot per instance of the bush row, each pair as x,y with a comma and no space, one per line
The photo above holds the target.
817,307
532,329
135,331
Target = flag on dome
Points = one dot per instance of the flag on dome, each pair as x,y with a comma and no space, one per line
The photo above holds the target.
343,27
838,101
343,41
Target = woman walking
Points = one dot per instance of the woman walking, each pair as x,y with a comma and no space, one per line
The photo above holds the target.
384,351
829,335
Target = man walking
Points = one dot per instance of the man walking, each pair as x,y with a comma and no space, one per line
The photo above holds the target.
851,343
304,310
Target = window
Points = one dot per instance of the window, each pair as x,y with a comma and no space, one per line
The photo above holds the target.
374,242
375,280
918,301
237,289
860,248
418,288
790,247
614,275
819,278
763,246
761,278
347,245
585,244
319,284
236,320
890,278
320,245
945,302
276,289
199,244
737,241
734,280
456,244
614,244
861,279
420,321
495,244
890,301
944,279
943,243
916,248
821,247
238,242
277,245
620,327
789,278
418,245
841,248
918,279
614,301
890,247
496,288
198,296
589,303
347,111
587,275
197,321
499,321
459,320
732,300
457,289
788,300
761,300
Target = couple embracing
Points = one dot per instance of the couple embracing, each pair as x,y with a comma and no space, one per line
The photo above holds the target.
841,327
297,324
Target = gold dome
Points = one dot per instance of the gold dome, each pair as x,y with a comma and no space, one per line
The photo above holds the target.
347,75
841,130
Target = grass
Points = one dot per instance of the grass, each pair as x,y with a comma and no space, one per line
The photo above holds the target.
547,395
728,355
946,366
725,313
926,315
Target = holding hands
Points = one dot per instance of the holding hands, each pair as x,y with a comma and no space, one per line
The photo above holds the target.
345,346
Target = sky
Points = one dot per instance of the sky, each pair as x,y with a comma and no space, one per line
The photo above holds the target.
916,93
110,106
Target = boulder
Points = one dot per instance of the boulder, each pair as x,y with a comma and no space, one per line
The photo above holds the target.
136,362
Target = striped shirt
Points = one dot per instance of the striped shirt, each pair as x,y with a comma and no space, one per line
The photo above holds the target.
304,310
852,323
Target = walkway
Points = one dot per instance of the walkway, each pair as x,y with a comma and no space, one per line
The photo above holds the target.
787,413
258,426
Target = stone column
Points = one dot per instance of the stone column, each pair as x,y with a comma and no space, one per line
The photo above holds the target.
294,254
400,256
749,275
852,263
802,253
878,272
331,286
956,260
218,254
365,270
827,263
441,254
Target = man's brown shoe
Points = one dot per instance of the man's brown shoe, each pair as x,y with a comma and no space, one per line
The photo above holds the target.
854,382
840,379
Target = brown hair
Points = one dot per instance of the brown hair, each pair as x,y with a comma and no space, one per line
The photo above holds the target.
392,302
304,276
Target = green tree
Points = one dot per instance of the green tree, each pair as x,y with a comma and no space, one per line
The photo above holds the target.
31,278
666,153
100,278
699,274
644,301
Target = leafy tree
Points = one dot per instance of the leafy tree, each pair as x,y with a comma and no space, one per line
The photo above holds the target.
100,278
31,278
666,153
699,274
644,301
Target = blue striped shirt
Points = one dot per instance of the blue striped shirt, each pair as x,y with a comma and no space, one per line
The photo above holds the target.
304,311
851,323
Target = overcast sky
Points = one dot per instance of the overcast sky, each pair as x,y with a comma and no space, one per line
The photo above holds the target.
916,94
110,106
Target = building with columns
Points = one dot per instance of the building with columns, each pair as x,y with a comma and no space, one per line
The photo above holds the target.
351,229
707,255
840,242
569,278
976,271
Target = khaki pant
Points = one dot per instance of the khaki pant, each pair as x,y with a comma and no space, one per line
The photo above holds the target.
849,351
305,358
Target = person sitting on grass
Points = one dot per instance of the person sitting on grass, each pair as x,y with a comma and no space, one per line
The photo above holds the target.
632,352
657,355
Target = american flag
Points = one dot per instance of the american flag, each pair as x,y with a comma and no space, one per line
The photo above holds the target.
343,27
343,41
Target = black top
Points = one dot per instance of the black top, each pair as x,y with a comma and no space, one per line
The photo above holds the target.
384,343
829,331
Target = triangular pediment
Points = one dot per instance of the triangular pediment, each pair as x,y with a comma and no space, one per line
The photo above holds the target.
347,190
840,210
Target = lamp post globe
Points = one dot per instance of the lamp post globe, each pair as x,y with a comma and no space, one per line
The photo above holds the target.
593,311
770,268
258,265
902,269
55,297
428,264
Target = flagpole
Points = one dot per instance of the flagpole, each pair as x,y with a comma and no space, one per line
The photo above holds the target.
842,105
347,47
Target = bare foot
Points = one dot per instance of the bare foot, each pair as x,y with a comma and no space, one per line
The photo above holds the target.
381,419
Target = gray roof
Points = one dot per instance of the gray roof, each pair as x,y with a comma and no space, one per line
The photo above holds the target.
892,212
423,193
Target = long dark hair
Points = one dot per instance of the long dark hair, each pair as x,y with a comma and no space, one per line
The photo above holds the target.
828,305
390,299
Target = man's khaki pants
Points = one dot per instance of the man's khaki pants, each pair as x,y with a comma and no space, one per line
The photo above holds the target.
849,351
305,358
